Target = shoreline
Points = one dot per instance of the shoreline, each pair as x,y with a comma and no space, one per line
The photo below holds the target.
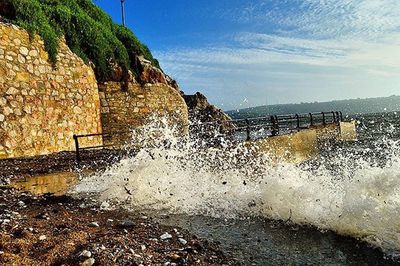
48,230
18,168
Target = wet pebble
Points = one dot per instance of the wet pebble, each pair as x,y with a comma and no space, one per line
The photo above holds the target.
85,254
42,237
94,224
126,224
105,206
88,262
166,236
182,241
175,257
44,216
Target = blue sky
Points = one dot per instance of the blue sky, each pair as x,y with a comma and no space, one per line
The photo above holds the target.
243,53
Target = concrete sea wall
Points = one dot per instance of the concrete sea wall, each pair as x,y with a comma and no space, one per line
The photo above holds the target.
300,146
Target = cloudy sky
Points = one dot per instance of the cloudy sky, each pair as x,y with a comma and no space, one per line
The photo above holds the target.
243,53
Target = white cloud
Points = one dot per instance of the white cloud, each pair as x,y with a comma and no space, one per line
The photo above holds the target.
337,49
326,18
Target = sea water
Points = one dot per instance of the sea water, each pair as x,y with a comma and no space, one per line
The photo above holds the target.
352,189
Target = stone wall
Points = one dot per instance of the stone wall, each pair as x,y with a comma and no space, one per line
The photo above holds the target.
42,106
132,105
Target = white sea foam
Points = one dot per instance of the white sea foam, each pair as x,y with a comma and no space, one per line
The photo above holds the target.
350,194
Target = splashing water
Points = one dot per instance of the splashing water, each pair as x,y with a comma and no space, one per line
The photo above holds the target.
350,190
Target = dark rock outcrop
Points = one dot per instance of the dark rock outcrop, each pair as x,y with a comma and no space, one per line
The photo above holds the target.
200,110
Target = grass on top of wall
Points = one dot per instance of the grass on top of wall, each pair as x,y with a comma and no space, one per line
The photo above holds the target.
89,32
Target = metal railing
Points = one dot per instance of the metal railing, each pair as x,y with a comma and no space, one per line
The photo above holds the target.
269,126
104,136
241,129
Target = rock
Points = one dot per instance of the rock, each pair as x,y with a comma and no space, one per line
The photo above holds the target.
117,73
3,101
166,236
200,110
44,216
148,72
126,224
175,257
12,91
105,206
21,59
88,262
7,110
33,53
94,224
182,241
85,253
2,117
42,237
24,51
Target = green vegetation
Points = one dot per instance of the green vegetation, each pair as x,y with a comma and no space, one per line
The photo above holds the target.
88,30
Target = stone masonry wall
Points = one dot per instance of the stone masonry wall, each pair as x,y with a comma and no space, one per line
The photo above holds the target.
42,106
133,105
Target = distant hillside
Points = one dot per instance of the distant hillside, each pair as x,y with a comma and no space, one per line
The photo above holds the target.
348,107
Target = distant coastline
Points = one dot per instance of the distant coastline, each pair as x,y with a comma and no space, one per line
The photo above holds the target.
348,107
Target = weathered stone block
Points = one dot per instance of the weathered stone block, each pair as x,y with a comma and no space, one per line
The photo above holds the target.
12,91
23,50
22,77
21,59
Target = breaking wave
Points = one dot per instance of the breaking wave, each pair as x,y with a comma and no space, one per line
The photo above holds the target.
352,190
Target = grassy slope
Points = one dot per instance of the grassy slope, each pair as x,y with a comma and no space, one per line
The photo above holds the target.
88,30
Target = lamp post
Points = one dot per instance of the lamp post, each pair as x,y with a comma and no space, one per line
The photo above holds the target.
123,11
